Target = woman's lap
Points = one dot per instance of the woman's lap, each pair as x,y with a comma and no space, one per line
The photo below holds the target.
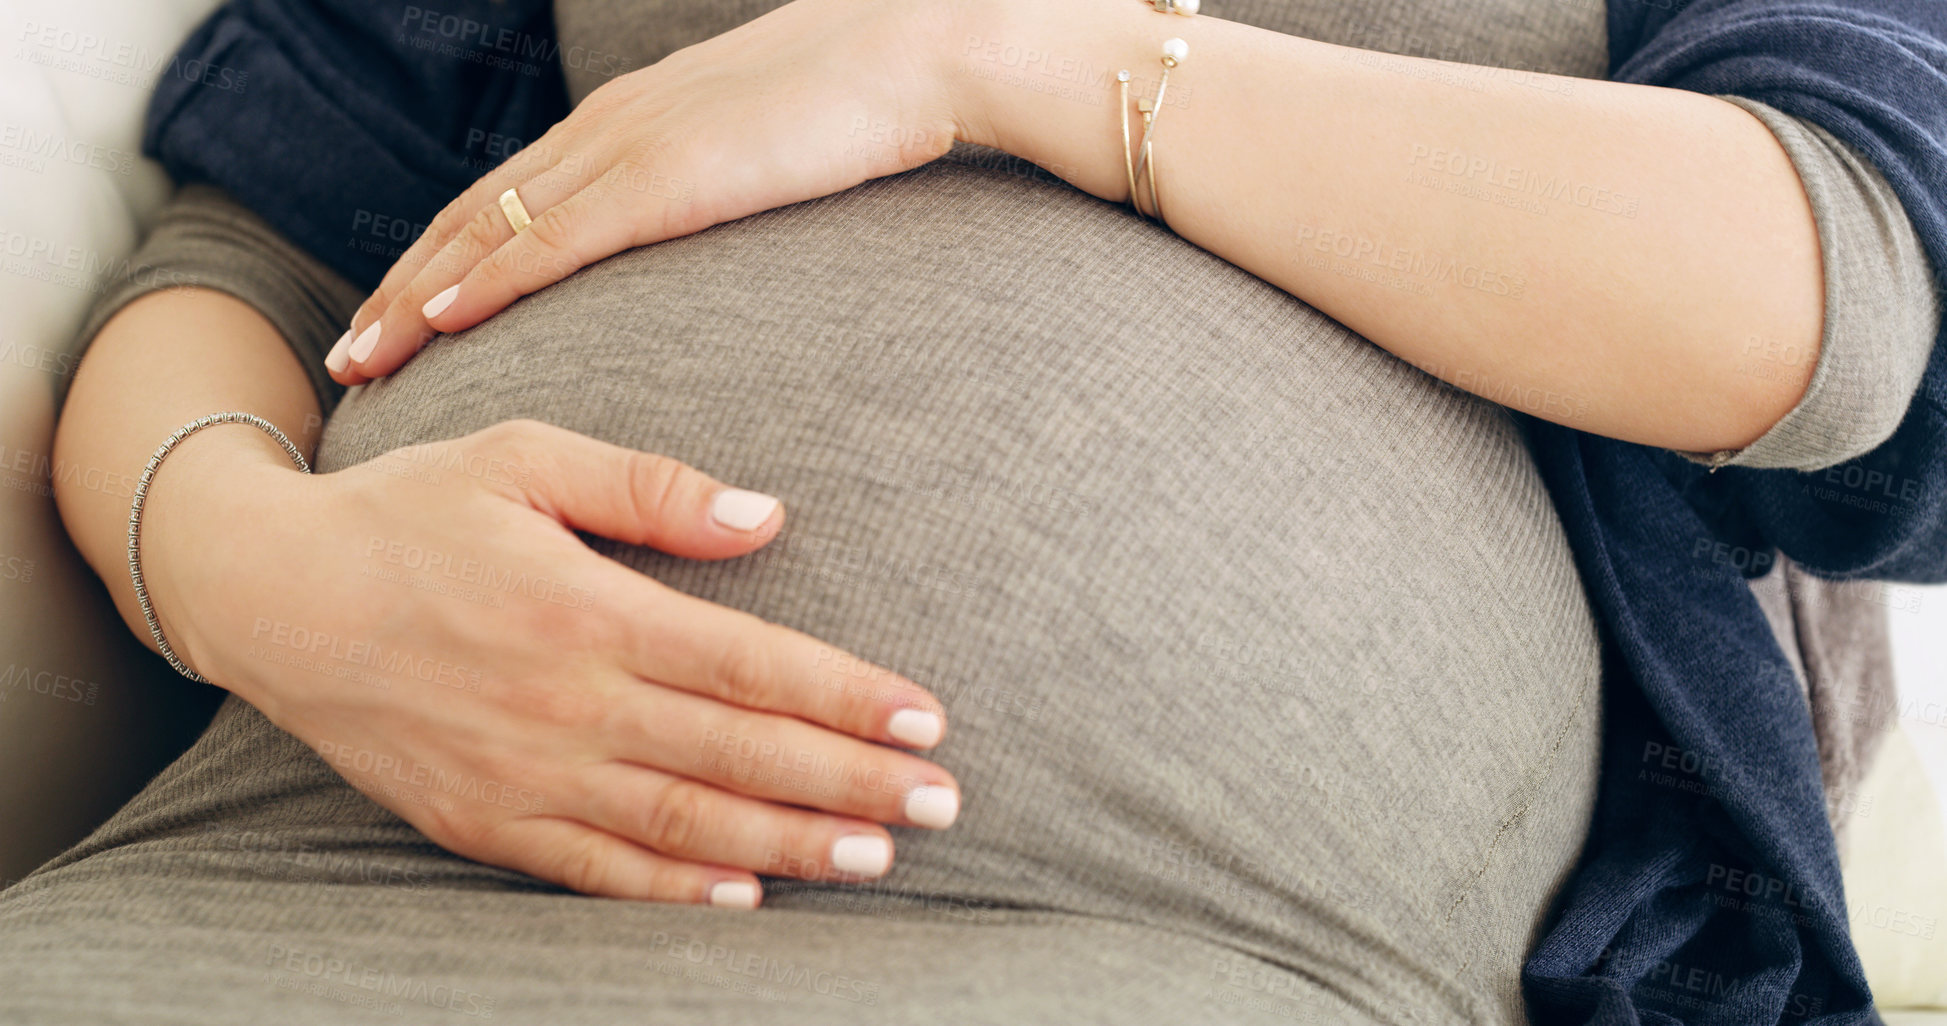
249,884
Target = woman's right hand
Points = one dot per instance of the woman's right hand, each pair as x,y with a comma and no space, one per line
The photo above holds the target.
431,625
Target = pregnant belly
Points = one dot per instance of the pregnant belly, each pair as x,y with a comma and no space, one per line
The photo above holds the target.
1243,626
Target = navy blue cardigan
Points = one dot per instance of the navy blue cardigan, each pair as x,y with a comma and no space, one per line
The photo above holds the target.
350,123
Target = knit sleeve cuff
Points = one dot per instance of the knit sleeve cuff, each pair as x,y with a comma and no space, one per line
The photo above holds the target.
204,239
1882,313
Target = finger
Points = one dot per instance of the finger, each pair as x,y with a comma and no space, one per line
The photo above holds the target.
594,862
548,151
544,153
696,822
734,657
780,759
633,496
403,327
599,221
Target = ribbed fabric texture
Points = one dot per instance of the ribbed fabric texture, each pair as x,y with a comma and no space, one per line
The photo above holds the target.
1882,311
205,239
1251,635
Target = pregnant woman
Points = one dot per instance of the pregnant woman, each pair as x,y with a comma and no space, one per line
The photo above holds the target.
1260,673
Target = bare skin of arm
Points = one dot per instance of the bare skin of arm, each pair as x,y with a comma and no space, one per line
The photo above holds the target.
1673,240
578,716
170,358
1678,237
1686,239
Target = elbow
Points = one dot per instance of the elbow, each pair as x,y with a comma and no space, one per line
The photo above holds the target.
1840,279
1843,398
1763,382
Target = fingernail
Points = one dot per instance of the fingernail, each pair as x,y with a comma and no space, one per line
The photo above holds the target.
367,341
740,510
734,894
862,855
336,361
916,728
438,304
935,807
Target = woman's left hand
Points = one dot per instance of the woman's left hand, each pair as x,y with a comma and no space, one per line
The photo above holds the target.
808,100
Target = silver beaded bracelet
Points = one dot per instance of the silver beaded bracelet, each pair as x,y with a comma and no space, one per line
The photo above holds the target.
142,494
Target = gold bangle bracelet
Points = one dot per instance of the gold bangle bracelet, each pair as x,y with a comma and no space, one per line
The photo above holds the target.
1140,163
1128,157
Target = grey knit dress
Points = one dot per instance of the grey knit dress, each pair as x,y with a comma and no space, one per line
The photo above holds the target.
1274,691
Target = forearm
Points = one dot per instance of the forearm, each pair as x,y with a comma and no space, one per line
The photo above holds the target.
1616,250
163,361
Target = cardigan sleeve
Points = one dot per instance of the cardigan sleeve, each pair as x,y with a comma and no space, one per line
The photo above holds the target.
1872,74
340,130
358,120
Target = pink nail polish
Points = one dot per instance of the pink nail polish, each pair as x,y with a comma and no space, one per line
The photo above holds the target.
862,855
740,510
338,359
734,894
915,728
935,807
438,304
367,341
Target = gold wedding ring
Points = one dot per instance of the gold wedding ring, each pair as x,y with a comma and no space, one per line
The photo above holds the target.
510,204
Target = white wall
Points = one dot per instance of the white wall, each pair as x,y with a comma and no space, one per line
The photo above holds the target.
1918,617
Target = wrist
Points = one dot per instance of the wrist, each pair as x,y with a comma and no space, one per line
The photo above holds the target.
971,27
221,480
1037,79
